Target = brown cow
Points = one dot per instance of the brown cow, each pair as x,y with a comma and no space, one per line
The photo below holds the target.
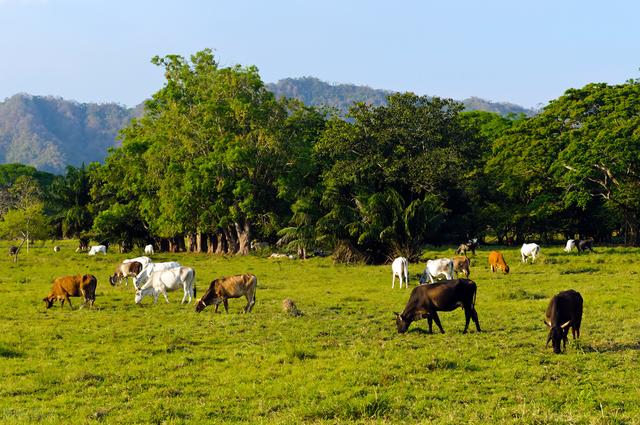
461,265
124,270
220,290
496,261
72,286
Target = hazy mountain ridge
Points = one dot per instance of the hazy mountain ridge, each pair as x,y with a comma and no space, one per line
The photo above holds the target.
313,91
50,133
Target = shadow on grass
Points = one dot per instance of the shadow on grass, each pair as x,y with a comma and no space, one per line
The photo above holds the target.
610,348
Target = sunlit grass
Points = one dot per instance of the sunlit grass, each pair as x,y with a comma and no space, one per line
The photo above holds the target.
342,361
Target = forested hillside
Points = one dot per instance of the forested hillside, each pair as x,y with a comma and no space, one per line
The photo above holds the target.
315,92
50,133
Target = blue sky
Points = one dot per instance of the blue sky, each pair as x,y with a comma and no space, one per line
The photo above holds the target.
525,52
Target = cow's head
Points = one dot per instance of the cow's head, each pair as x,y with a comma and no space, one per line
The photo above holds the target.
48,301
141,293
402,323
200,305
113,279
506,269
557,334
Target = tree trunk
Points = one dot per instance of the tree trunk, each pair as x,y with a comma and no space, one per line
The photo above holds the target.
244,237
221,243
232,241
192,242
164,244
201,242
212,245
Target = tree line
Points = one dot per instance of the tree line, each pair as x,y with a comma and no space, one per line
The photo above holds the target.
217,161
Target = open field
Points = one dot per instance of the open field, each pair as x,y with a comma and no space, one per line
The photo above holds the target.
341,362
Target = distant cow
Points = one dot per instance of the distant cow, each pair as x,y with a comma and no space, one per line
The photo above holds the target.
56,248
496,262
529,250
259,246
427,300
125,270
570,245
435,268
220,290
585,245
470,245
462,265
83,244
148,249
400,268
564,312
72,286
96,249
13,250
163,281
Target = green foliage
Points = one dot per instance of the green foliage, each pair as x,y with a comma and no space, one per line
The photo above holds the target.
28,221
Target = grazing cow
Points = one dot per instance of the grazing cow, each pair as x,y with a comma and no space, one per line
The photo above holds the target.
13,250
142,260
72,286
163,281
570,245
151,267
585,245
220,290
276,255
564,312
496,262
427,300
259,246
96,249
462,265
529,250
56,248
148,249
125,270
400,268
470,245
435,268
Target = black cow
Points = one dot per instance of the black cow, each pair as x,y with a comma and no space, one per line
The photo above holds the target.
446,295
564,312
584,245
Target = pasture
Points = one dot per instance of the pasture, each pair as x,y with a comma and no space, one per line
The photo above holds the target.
342,361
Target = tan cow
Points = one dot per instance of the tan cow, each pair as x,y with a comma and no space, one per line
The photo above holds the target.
496,261
72,286
220,290
125,270
462,265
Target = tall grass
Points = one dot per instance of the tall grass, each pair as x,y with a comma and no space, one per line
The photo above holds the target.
341,362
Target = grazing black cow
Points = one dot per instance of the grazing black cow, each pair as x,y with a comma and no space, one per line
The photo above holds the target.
585,245
471,245
13,250
446,295
564,312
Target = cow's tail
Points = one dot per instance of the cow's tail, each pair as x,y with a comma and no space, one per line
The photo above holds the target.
193,283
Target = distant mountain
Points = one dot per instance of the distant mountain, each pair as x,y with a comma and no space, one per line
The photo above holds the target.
313,91
50,133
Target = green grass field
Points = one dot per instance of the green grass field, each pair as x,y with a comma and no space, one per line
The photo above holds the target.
343,361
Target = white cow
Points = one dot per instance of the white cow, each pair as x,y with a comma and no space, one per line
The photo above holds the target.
142,260
529,250
148,249
435,268
162,281
98,248
570,245
143,276
400,268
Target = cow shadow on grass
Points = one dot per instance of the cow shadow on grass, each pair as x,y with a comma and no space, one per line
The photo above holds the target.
609,348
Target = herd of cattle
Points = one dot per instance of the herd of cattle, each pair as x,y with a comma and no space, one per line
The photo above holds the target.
152,279
564,311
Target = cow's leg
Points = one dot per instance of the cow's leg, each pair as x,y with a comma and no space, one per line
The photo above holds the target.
437,320
226,305
430,278
184,297
493,268
66,297
393,281
216,310
164,292
467,318
474,316
430,322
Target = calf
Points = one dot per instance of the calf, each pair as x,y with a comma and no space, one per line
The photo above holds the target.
496,262
564,312
125,270
400,268
585,245
72,286
427,300
148,249
462,265
220,290
435,268
96,249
